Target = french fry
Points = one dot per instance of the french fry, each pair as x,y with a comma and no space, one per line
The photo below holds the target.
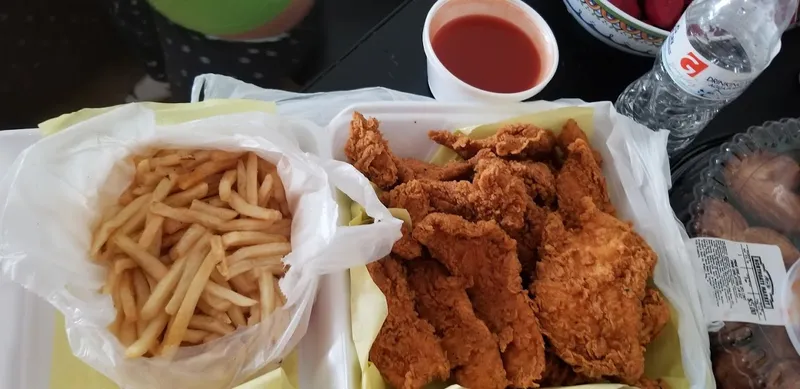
142,169
251,188
241,178
204,170
123,263
226,183
266,288
148,338
221,213
240,205
261,250
281,227
280,299
247,225
151,228
211,337
144,189
177,330
127,333
249,238
195,336
255,316
272,264
187,241
193,262
197,159
220,155
150,264
169,277
172,226
171,159
161,294
242,285
141,288
213,184
265,191
218,304
142,291
208,310
216,202
186,215
107,228
169,241
237,316
230,295
208,323
126,297
182,199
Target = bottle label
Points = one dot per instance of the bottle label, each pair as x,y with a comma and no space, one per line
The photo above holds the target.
695,73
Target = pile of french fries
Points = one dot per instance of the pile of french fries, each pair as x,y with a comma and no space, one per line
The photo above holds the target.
193,248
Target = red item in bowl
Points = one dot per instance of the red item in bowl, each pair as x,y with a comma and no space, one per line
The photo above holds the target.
664,13
630,7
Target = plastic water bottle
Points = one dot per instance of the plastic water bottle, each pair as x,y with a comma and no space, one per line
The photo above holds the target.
712,55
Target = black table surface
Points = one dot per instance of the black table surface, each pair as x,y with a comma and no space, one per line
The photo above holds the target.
391,56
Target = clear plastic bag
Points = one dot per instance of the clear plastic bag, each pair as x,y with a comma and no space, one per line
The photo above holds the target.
57,189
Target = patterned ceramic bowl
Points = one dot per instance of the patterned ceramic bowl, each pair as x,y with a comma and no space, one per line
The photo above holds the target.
616,28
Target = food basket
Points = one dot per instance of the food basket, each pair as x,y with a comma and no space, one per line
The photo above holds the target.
748,193
405,126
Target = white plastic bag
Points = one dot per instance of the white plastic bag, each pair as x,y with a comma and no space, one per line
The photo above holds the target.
637,155
57,188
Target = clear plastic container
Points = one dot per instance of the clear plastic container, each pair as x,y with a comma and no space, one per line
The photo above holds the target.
791,297
746,193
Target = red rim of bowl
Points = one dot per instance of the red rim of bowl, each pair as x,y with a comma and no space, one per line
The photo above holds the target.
621,13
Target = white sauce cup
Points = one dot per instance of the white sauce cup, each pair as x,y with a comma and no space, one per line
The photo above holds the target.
447,87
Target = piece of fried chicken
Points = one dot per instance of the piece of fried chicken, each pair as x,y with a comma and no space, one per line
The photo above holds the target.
540,183
580,176
571,132
589,287
655,315
484,254
442,300
494,194
369,152
406,351
516,140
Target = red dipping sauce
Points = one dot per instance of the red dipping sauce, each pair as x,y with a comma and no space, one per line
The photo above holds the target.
488,53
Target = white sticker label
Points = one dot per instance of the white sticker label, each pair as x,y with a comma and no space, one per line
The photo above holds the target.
696,74
744,280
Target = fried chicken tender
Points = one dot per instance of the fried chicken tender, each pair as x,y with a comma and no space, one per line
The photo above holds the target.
369,152
484,254
558,373
571,132
406,247
442,300
512,140
589,287
540,183
406,350
580,177
655,315
494,194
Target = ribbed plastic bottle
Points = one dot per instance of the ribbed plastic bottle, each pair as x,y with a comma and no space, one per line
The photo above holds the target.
712,55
